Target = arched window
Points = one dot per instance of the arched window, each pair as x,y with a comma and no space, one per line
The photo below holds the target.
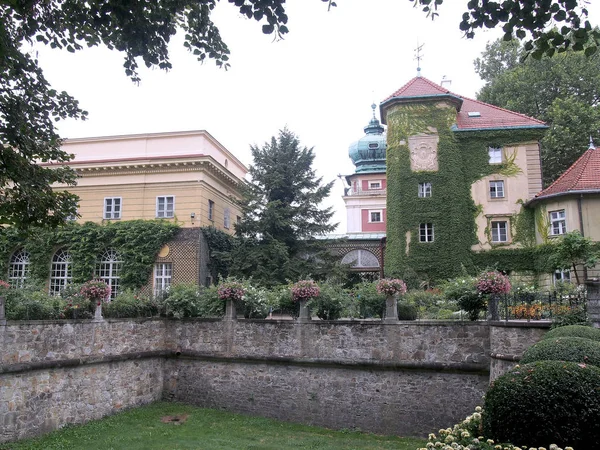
359,259
60,271
109,268
18,268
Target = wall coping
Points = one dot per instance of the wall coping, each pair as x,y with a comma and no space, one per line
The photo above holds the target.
523,324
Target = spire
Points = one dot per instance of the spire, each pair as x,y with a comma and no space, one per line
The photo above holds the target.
374,126
419,57
592,145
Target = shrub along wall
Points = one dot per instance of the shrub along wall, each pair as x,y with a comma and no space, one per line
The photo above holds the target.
405,378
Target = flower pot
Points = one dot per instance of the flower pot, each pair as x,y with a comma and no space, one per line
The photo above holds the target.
304,315
230,311
98,313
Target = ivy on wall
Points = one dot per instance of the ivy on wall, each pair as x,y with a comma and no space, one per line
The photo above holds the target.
220,245
462,160
137,242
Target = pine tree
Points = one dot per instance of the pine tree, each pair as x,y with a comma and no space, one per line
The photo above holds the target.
275,240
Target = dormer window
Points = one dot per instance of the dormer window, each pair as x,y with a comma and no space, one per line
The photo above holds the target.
373,145
474,114
375,184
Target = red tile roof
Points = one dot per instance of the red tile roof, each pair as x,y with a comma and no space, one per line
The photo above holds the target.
490,116
583,175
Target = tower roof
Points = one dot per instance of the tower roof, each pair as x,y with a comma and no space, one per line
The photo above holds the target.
470,114
368,154
582,177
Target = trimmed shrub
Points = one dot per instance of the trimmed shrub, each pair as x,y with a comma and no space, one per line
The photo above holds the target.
130,304
545,402
574,349
581,331
407,312
330,303
33,303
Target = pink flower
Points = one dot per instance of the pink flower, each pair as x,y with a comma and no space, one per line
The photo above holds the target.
493,282
305,290
231,290
391,286
96,291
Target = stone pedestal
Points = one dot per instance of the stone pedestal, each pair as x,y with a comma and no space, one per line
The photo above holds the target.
593,302
2,312
230,312
304,315
98,314
493,305
391,309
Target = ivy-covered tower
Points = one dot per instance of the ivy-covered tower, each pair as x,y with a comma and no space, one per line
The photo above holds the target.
458,172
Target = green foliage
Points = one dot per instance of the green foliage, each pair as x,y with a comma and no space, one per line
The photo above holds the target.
571,250
32,303
368,303
131,304
255,304
182,300
462,159
30,107
431,304
581,331
574,315
406,311
331,303
545,402
210,304
574,349
220,245
562,91
275,240
137,242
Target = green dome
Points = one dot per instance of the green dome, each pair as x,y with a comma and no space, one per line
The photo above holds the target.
368,153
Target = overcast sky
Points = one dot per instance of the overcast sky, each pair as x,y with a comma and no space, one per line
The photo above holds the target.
319,81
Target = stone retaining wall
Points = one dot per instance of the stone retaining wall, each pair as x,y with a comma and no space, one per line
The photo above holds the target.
407,378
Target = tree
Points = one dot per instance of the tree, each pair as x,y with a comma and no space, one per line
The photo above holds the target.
275,240
563,91
29,107
573,250
531,19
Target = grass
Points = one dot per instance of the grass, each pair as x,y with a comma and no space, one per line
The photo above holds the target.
142,429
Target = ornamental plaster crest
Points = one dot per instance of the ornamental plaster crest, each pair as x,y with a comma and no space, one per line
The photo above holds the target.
423,152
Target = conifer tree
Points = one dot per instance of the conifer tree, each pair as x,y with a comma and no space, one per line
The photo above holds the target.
275,240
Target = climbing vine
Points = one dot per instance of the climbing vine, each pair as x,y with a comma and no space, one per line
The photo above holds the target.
137,243
462,160
220,245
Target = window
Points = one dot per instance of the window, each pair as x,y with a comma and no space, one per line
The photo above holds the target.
500,231
211,210
562,276
375,184
18,268
163,273
426,232
558,223
375,216
495,155
238,219
424,190
108,270
112,207
226,218
60,271
497,189
165,206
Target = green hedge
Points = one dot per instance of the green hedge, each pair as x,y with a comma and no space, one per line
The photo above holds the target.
574,349
545,402
574,331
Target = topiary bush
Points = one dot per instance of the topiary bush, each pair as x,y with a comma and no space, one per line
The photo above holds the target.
581,331
574,349
545,402
407,311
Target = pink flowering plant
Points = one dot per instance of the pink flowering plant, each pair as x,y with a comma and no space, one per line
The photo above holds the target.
493,282
231,290
95,291
391,286
305,290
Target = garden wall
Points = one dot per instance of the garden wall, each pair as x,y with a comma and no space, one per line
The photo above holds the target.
407,378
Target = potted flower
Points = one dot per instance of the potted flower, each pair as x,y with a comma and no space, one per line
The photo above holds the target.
96,291
302,292
493,284
231,292
392,288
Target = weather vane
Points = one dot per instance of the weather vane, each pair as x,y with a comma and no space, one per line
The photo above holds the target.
419,57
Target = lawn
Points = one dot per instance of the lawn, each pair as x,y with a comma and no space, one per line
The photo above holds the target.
143,429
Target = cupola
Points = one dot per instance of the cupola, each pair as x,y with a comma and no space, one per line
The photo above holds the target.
368,153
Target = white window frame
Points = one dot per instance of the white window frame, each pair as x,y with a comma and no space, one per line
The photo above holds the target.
558,222
563,276
497,189
426,232
425,190
112,214
495,155
226,218
108,270
211,210
18,268
375,185
60,271
163,276
375,211
164,212
496,231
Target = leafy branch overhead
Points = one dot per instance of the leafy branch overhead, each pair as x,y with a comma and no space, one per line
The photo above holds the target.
547,26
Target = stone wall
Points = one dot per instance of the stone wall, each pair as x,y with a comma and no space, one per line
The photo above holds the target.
407,378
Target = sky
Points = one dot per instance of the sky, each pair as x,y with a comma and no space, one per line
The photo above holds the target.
319,81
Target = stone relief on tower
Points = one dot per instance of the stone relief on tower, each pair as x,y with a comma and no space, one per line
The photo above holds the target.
423,152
